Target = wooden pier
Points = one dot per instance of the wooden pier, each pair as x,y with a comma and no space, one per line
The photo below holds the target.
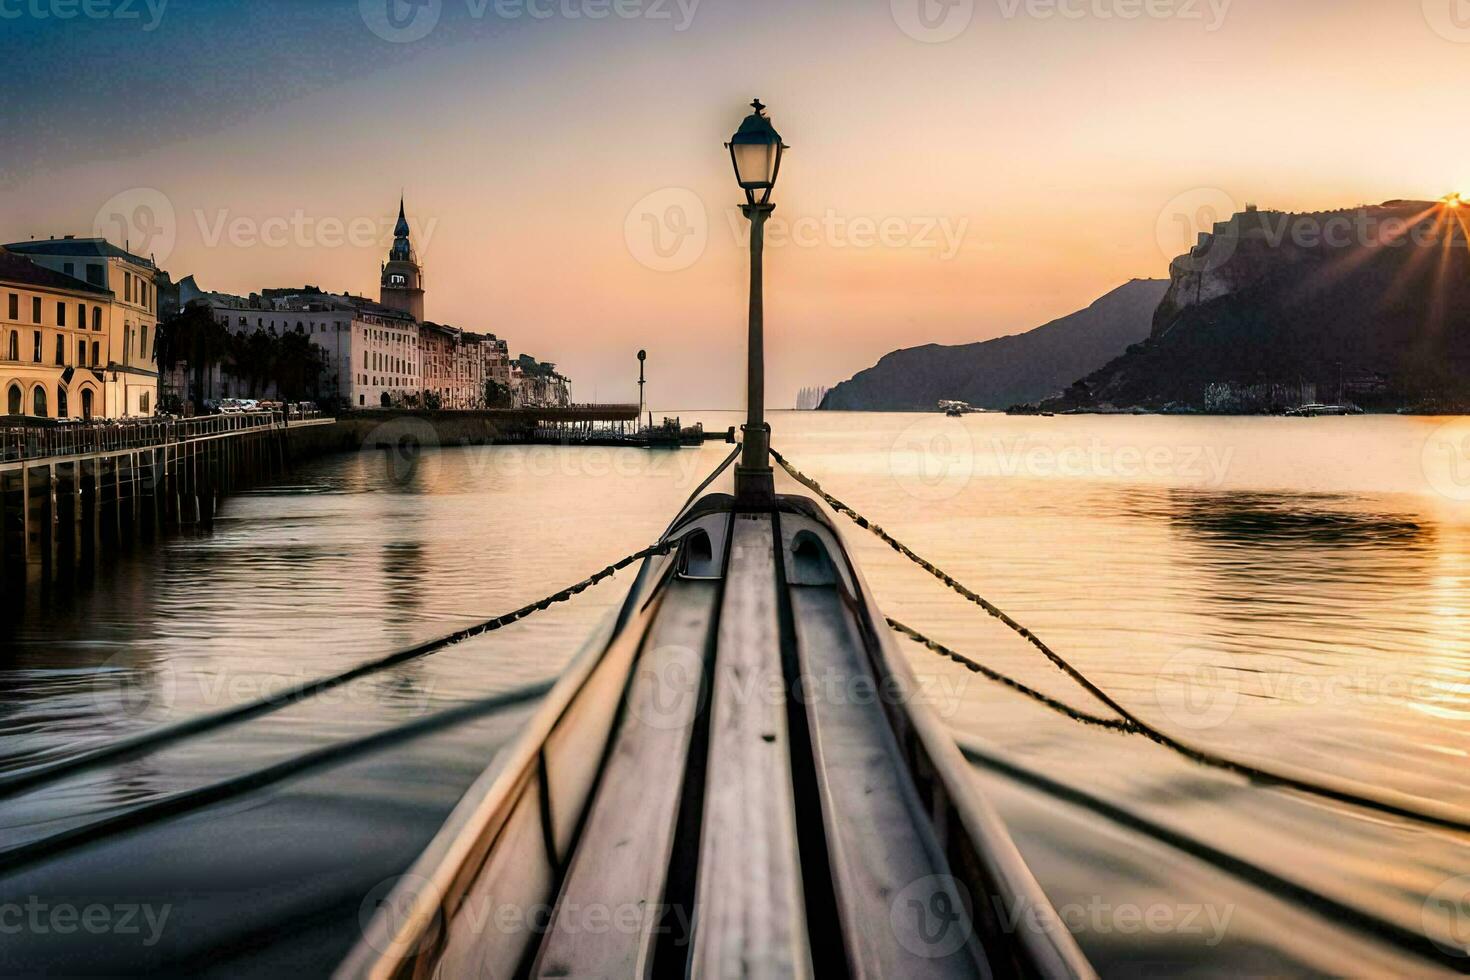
70,494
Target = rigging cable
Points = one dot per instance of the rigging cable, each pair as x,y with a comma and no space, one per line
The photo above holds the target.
153,739
15,858
144,742
1370,798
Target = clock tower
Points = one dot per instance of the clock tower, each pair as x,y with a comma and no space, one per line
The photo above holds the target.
402,286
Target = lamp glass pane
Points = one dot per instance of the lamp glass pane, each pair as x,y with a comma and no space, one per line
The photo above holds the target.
755,163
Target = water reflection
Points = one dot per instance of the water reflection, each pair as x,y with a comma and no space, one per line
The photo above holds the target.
1321,586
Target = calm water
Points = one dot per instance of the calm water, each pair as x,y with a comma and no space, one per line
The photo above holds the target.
1287,591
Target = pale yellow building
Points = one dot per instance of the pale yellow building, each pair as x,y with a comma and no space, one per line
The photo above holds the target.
54,342
129,320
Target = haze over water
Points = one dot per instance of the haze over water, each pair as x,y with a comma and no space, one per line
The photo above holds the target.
1280,590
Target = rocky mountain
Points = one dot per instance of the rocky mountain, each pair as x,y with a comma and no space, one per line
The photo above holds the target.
1009,370
1369,306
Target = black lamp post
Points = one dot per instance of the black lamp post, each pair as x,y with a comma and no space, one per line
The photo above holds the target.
756,150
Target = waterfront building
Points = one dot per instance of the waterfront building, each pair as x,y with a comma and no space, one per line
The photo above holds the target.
52,340
125,328
371,352
453,374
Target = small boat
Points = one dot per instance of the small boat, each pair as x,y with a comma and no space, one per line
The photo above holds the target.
738,776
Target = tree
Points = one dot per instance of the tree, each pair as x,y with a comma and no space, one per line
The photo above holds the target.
296,366
497,395
195,337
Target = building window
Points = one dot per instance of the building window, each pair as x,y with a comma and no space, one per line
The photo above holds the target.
69,268
127,287
60,350
144,403
95,274
13,400
81,353
14,353
96,350
81,316
38,402
36,347
14,307
96,318
61,405
35,309
61,314
86,403
143,341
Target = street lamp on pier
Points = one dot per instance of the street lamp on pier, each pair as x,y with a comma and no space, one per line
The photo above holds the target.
756,150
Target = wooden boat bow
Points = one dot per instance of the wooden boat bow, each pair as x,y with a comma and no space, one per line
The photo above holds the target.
737,776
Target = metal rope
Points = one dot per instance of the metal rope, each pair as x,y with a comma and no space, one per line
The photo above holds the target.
148,741
1372,798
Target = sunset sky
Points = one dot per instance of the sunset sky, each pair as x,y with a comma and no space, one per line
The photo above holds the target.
568,189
